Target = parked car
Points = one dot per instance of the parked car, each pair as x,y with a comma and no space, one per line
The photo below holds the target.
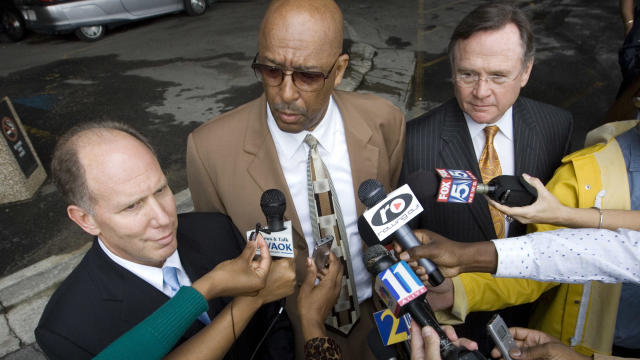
11,20
89,19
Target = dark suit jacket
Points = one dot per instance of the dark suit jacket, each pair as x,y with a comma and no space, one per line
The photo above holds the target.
440,139
100,300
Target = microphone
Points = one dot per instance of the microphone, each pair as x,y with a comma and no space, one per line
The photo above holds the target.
396,284
378,349
371,194
277,234
273,204
461,186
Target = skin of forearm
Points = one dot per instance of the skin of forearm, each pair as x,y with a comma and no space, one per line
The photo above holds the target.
312,328
590,218
480,257
205,287
201,346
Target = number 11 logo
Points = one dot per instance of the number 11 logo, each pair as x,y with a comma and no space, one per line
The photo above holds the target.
402,283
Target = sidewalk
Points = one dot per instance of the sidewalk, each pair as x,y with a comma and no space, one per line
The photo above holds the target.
23,295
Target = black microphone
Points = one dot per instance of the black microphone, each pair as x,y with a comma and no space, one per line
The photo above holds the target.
371,193
273,204
377,259
278,234
378,349
508,190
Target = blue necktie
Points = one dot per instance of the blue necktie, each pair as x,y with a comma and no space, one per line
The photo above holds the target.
170,277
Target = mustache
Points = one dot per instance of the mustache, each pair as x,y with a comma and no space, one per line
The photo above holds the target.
289,108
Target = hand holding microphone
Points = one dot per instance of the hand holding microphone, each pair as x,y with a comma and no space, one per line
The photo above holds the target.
451,257
392,213
399,288
281,279
425,342
249,276
545,210
461,186
278,233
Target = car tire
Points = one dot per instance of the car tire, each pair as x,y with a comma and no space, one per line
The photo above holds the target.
91,33
13,23
195,7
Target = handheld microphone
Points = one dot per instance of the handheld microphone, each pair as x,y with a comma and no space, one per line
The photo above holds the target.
461,186
395,283
277,234
371,193
378,349
273,204
509,190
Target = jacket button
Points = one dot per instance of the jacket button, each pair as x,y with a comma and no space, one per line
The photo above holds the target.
588,187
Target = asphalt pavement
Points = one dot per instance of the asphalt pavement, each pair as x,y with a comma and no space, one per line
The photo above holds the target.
168,75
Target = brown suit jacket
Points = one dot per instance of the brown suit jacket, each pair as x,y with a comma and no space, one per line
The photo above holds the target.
232,160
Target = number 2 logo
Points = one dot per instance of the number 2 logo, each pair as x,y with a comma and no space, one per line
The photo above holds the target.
399,330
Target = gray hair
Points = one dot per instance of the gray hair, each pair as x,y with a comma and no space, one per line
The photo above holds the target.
494,16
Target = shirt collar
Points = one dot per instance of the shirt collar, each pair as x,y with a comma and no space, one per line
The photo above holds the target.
505,124
290,143
151,274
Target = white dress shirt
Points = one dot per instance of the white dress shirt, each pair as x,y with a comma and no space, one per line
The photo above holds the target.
503,143
151,274
332,147
571,256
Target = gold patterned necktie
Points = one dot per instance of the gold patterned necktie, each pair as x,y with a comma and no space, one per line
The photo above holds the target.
489,168
326,219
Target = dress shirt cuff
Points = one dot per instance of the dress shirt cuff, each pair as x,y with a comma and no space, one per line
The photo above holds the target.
515,258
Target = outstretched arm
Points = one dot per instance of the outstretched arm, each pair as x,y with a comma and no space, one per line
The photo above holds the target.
161,330
548,210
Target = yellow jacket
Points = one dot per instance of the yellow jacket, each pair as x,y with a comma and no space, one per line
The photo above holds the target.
581,315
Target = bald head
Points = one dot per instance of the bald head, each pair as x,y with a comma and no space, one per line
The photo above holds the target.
131,208
67,166
320,18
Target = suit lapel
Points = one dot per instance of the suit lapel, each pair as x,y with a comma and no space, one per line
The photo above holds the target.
121,288
457,151
265,167
363,156
526,141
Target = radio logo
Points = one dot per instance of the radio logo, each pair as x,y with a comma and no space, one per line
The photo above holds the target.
391,210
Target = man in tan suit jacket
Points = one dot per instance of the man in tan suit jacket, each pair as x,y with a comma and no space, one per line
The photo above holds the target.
233,158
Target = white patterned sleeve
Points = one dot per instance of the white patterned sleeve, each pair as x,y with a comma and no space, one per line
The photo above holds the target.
571,256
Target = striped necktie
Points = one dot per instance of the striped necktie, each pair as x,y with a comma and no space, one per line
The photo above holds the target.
326,219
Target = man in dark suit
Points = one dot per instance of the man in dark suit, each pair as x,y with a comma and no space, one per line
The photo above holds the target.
236,156
488,129
117,192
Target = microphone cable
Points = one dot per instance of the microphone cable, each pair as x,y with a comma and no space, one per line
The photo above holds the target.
283,302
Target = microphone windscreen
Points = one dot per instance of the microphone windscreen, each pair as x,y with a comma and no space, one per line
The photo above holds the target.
372,254
371,192
424,184
366,232
273,203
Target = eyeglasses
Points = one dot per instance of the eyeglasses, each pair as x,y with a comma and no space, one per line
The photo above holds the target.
470,79
303,80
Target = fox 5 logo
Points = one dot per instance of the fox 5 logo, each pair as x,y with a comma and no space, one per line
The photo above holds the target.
462,191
